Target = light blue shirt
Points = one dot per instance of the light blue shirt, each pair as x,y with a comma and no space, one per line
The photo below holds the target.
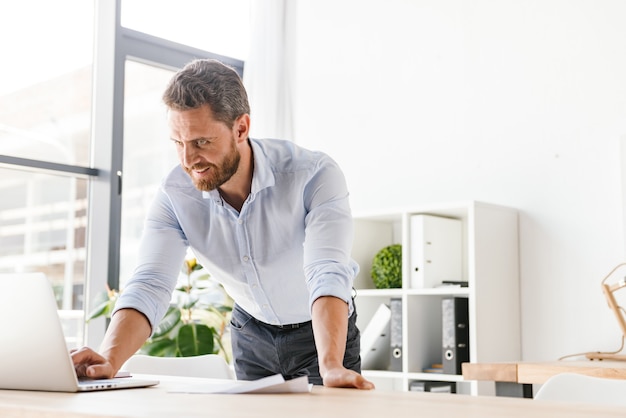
289,245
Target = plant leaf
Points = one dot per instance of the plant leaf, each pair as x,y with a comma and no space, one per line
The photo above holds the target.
104,307
203,277
191,302
221,309
170,320
164,347
195,339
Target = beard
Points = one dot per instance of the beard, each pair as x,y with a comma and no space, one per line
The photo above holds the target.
218,174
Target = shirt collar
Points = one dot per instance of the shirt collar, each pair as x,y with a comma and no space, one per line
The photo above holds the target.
262,177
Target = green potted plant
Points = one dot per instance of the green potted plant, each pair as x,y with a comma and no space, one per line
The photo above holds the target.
196,322
387,267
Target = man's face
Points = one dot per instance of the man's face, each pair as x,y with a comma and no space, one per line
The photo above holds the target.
207,149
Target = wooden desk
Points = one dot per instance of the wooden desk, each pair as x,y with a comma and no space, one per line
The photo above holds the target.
157,402
528,373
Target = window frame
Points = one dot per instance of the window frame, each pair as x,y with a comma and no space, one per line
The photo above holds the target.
114,45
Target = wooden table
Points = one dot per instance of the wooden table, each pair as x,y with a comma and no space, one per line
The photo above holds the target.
517,378
157,402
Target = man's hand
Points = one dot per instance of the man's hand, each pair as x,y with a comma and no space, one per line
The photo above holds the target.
90,364
126,333
341,377
330,327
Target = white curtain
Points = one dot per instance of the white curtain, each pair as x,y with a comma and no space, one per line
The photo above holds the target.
268,72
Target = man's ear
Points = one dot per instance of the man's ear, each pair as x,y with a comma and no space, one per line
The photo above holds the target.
241,127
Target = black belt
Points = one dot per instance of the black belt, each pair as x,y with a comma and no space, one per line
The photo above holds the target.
291,326
286,326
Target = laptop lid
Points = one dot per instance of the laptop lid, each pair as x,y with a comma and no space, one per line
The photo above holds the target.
33,351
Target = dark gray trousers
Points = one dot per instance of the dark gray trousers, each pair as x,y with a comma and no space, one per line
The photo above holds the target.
261,350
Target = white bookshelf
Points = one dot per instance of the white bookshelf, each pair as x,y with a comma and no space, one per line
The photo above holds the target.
490,265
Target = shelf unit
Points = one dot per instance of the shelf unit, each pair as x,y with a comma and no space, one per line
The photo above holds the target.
490,265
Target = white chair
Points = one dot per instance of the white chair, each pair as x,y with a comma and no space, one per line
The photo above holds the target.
208,365
573,387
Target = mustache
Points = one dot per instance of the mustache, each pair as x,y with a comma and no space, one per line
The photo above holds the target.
200,167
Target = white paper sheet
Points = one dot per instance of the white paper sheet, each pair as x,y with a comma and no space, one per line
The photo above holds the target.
270,384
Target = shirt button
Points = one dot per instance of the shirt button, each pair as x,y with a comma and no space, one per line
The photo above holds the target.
265,306
240,221
246,258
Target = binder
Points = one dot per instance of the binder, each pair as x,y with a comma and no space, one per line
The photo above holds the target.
432,386
455,322
436,250
395,333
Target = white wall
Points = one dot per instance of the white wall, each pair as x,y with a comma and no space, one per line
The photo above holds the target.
519,103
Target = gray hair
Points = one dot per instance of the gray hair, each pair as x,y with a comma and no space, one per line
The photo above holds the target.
208,82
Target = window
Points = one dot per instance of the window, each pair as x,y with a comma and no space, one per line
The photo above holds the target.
63,162
148,153
45,102
219,26
45,88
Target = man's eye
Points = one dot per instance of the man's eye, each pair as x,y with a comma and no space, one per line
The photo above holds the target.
201,142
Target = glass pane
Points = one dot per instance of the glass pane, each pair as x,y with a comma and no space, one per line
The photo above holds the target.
148,153
219,26
43,221
45,92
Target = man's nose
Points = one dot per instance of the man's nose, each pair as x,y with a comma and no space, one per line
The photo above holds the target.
190,156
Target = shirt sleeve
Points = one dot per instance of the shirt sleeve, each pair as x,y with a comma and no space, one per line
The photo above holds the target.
328,266
161,253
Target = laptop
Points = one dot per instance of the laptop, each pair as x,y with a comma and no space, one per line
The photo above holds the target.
33,351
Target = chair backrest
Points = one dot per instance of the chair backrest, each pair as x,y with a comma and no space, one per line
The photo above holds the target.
209,365
573,387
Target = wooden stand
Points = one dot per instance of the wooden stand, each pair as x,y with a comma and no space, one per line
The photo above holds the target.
606,356
618,311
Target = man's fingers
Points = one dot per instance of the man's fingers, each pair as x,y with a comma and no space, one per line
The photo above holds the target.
344,378
365,384
85,354
88,363
98,371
